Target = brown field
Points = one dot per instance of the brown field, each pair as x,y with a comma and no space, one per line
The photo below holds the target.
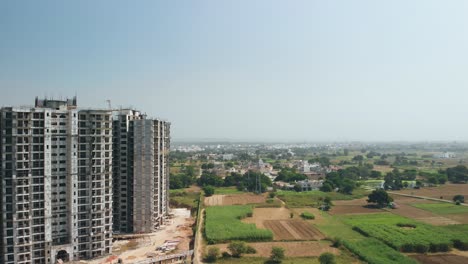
440,259
293,230
292,249
262,214
421,215
460,218
235,199
315,211
447,191
356,206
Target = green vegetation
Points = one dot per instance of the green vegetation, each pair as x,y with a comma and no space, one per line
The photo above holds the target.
223,224
208,190
315,198
379,197
307,215
340,259
238,248
180,198
212,255
404,234
227,190
442,208
277,255
373,251
368,249
327,258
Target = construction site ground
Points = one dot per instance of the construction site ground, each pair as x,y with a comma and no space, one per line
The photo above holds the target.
141,247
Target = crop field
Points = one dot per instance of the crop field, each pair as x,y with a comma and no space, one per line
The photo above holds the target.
235,199
293,230
440,259
373,251
223,223
442,208
312,198
370,250
446,191
357,206
406,235
422,215
292,249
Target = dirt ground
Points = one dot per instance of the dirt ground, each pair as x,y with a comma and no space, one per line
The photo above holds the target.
292,249
235,199
440,259
447,191
176,228
460,218
421,215
357,206
262,214
293,230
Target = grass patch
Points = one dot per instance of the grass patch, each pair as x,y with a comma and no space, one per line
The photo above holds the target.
312,198
227,190
442,208
180,198
223,223
307,215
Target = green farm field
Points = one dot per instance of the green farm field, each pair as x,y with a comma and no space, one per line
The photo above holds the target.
442,208
223,223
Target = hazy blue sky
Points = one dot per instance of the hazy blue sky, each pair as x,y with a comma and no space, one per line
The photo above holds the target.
271,70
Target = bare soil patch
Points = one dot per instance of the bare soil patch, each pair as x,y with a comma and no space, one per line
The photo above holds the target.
440,259
422,215
234,199
461,218
357,206
292,249
293,230
316,212
262,214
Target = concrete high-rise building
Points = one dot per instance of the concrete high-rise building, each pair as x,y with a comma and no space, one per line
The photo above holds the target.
141,173
56,182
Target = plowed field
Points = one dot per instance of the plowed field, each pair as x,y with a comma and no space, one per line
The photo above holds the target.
292,230
239,199
440,259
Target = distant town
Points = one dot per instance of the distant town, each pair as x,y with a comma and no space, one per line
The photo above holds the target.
84,185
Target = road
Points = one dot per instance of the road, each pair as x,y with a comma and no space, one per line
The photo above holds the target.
198,247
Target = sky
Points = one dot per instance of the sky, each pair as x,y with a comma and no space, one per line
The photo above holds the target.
249,69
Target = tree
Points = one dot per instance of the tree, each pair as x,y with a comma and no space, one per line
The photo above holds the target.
209,190
458,174
327,258
375,174
326,187
459,198
212,255
346,152
297,187
238,248
277,255
380,197
358,158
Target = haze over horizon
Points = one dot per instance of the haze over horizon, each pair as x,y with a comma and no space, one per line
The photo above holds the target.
249,70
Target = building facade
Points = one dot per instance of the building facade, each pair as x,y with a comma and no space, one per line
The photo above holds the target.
69,177
141,172
42,175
